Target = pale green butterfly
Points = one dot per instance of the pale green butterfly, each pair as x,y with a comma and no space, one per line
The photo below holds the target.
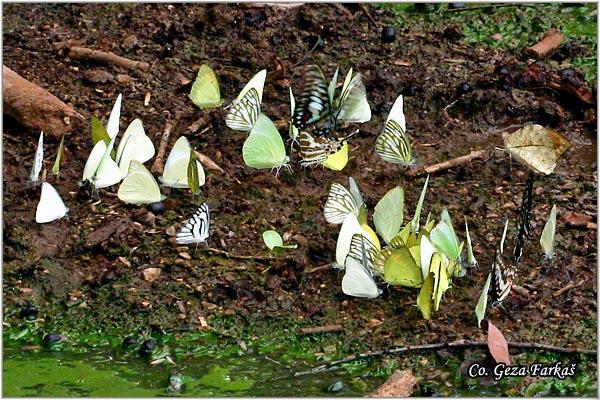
471,261
100,169
245,109
417,216
205,91
352,105
264,146
176,167
547,238
389,213
482,302
139,187
393,144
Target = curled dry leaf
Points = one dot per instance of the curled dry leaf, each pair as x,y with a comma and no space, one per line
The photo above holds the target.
497,344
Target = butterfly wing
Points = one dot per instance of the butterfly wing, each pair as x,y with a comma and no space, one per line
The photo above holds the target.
134,145
139,187
195,230
314,103
257,83
339,204
244,112
352,106
502,279
39,159
338,160
548,234
264,147
51,206
205,92
363,248
112,126
357,281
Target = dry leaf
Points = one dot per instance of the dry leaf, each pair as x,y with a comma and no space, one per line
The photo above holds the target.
497,344
400,384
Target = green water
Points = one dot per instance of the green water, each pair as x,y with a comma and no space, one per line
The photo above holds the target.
63,374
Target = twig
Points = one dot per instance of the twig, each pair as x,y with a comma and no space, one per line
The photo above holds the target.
159,164
83,53
475,154
550,42
570,285
321,329
315,269
238,257
365,11
436,346
488,6
208,163
343,9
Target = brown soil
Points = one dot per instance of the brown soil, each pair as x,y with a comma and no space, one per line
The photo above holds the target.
98,252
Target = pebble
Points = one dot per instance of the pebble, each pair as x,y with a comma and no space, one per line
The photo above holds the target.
388,34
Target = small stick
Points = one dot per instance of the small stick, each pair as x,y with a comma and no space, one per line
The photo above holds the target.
550,42
83,53
321,329
159,164
365,11
331,366
208,163
322,267
238,257
462,160
570,285
490,6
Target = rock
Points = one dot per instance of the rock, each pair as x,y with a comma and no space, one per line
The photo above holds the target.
151,274
388,34
129,43
400,384
29,312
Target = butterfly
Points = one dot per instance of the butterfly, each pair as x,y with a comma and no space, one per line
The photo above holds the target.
352,105
503,274
314,104
38,160
362,247
134,145
341,202
547,238
293,130
51,206
175,171
205,92
139,187
357,280
100,169
112,126
245,108
349,229
264,147
393,144
195,230
537,147
317,149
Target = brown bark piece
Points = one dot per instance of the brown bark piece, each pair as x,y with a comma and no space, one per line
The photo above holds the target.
455,162
34,107
321,329
83,53
550,42
401,384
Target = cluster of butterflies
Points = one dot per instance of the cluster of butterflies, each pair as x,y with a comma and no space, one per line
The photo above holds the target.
316,123
105,168
426,257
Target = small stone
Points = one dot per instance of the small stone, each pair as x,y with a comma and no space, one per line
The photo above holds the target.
144,217
124,79
171,231
503,70
129,43
129,341
464,88
151,274
336,387
29,312
52,339
388,34
496,36
148,347
410,90
156,208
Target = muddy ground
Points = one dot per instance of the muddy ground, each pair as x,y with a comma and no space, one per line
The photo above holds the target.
82,280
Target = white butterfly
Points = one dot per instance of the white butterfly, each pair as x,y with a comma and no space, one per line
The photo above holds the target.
195,230
352,105
51,206
393,144
548,234
175,171
134,145
245,108
39,158
340,203
100,168
139,187
112,126
357,280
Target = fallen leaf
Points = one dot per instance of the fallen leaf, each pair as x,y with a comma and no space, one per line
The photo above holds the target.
497,344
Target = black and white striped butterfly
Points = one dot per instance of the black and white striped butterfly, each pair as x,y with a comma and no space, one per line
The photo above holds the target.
243,113
195,230
502,280
316,149
314,103
393,144
341,202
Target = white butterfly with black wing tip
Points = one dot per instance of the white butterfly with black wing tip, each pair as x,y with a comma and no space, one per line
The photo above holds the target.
195,230
38,161
51,206
245,108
